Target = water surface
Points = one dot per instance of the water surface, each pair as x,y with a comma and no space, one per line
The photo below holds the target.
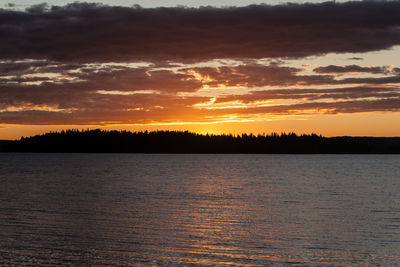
228,210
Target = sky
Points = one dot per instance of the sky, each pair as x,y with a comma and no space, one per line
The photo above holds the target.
322,67
22,4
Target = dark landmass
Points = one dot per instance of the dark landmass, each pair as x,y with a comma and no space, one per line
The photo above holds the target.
98,141
4,143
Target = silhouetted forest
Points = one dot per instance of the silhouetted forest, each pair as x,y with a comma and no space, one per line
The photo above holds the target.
99,141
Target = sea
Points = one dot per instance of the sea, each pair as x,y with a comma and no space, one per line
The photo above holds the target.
199,210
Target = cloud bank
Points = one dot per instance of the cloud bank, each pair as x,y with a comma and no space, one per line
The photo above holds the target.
82,32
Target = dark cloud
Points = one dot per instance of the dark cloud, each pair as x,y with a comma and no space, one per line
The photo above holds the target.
92,108
37,9
88,32
127,79
19,68
350,68
355,58
119,93
256,75
314,94
56,78
28,67
396,70
49,78
253,75
183,113
350,106
75,106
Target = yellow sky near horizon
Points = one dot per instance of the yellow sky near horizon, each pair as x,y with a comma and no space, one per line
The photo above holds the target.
362,124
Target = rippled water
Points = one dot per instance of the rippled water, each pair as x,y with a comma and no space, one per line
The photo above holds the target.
255,210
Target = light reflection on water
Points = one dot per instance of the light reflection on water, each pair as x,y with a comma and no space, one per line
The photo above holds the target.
233,210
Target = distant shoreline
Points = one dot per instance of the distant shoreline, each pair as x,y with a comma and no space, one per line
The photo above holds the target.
179,142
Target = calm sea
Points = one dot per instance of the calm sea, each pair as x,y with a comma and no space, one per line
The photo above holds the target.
199,210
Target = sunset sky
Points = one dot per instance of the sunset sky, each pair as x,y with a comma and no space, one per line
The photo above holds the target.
323,67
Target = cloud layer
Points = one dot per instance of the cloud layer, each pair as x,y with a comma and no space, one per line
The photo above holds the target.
83,32
56,93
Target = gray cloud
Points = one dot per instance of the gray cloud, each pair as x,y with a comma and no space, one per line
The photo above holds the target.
354,106
314,94
88,32
75,97
350,68
256,75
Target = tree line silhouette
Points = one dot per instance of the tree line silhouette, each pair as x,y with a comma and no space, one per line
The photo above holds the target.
100,141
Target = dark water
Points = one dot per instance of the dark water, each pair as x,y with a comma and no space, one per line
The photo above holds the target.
240,210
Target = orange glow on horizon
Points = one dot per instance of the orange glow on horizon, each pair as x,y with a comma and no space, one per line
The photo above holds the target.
361,124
